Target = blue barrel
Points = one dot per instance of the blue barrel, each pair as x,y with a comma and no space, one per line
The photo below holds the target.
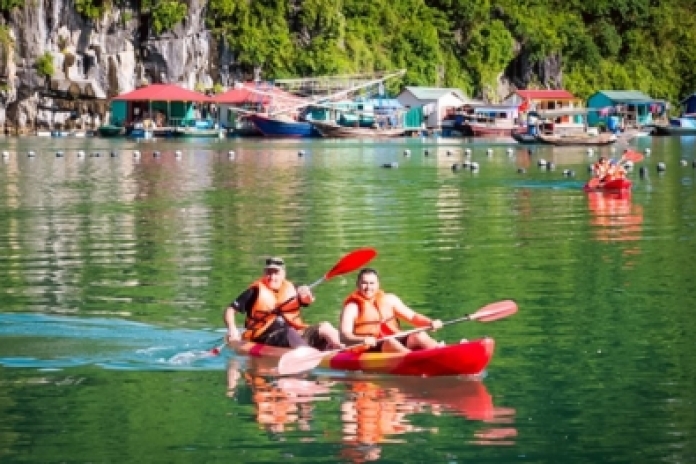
613,123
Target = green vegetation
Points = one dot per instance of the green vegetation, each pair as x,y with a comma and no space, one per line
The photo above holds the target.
92,9
599,44
44,65
9,5
166,14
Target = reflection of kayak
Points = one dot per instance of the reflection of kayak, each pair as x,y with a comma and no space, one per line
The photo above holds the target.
609,186
467,358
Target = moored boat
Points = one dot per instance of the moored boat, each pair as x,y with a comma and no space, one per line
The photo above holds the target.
282,126
465,358
330,129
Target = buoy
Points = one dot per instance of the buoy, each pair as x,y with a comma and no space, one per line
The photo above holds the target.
407,153
301,153
391,165
59,154
661,167
550,166
590,168
642,171
448,152
628,165
474,166
521,170
80,154
590,152
647,151
466,163
136,154
231,154
177,154
5,154
541,162
155,154
456,167
467,152
31,154
568,173
426,152
684,162
489,152
114,154
510,151
95,154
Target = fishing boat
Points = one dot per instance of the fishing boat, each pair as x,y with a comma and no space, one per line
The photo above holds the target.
111,130
331,129
282,126
466,358
610,186
684,125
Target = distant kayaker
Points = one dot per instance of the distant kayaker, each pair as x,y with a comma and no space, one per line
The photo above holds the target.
272,307
370,314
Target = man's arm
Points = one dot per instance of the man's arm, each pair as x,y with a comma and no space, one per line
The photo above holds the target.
241,304
402,311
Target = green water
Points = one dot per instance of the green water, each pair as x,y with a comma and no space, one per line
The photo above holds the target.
597,365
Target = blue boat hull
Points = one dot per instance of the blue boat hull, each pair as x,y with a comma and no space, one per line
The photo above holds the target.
276,128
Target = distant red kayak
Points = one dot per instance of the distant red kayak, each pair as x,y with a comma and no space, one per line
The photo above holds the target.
609,186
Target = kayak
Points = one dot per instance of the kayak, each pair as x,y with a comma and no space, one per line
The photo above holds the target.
612,185
465,358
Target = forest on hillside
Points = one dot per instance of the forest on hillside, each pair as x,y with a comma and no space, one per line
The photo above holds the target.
644,45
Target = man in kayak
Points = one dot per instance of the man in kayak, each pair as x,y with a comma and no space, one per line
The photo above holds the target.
272,308
369,314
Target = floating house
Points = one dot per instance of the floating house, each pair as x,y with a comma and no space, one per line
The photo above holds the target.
545,100
438,104
624,109
163,110
684,124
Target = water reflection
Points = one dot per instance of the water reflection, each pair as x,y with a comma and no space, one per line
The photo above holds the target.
615,217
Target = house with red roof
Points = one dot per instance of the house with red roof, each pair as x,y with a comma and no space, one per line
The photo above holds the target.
543,100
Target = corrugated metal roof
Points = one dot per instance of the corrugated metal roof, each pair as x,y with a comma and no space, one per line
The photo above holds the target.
626,96
433,93
545,94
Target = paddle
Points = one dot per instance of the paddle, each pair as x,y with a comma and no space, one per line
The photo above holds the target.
350,262
632,155
306,358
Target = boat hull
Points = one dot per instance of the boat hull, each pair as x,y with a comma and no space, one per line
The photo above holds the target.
610,186
524,138
271,127
673,130
467,358
330,130
579,140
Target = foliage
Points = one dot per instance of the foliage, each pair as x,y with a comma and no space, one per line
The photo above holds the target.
44,65
9,5
218,88
602,44
92,9
166,14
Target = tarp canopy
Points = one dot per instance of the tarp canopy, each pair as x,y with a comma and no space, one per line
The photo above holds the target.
248,93
164,92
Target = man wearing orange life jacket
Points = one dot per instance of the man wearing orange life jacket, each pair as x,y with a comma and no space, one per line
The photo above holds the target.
369,314
272,307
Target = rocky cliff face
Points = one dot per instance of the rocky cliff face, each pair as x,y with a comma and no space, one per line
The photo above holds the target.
94,60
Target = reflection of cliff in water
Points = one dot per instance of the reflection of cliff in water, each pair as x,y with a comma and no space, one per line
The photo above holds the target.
614,217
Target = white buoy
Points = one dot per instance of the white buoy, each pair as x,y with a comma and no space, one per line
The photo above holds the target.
80,154
231,154
647,151
661,167
177,154
31,154
510,151
448,153
474,166
5,154
407,153
136,154
489,152
59,154
683,162
541,162
301,153
590,152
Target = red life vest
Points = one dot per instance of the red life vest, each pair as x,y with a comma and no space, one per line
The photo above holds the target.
268,305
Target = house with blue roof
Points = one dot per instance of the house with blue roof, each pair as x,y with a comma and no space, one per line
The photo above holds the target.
614,109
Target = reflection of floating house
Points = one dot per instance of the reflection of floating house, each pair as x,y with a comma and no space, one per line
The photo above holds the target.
685,124
625,108
163,110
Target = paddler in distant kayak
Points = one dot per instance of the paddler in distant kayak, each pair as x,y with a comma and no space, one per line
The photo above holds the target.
272,307
370,314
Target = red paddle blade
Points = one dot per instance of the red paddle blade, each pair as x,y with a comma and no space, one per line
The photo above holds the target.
632,155
352,261
495,311
593,183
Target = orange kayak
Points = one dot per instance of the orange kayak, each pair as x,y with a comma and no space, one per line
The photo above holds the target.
609,186
466,358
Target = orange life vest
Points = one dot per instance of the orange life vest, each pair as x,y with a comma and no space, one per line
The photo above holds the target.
268,305
371,321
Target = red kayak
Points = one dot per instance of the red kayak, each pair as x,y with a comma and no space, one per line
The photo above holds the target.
466,358
610,186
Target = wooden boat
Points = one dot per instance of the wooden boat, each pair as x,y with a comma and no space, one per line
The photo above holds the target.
330,129
111,130
577,139
466,358
610,186
525,138
685,125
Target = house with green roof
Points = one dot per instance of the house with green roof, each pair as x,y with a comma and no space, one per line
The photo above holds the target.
624,108
438,103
